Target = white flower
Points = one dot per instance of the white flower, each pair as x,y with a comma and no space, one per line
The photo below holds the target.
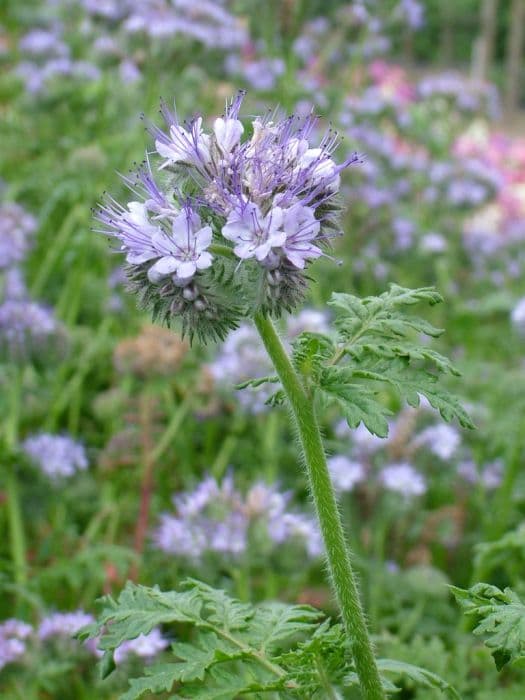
228,133
301,228
253,233
184,251
136,233
192,147
321,167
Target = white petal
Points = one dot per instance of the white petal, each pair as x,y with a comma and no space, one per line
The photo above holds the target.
165,150
228,133
262,251
277,239
203,238
204,260
162,268
244,251
296,260
179,229
139,258
162,242
186,269
234,230
274,219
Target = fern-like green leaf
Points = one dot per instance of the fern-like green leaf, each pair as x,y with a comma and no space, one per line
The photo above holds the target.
234,646
357,402
500,618
419,676
377,345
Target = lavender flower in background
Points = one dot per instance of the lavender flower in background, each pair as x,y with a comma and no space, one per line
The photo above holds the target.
14,286
217,518
57,456
26,328
18,637
16,231
13,634
242,357
43,42
49,57
145,646
259,73
363,442
441,439
489,475
204,21
307,320
346,473
64,625
412,12
403,479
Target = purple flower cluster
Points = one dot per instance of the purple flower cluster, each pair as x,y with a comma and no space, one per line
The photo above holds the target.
57,456
13,634
63,624
415,449
266,201
412,13
204,21
259,73
403,479
49,57
16,231
26,327
468,96
218,518
145,646
16,636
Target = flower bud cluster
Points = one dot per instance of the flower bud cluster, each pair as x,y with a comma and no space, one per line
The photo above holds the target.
230,220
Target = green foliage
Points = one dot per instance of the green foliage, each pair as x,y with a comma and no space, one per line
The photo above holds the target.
237,648
500,620
419,676
507,552
375,345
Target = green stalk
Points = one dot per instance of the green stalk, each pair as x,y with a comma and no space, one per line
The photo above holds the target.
337,553
16,529
17,540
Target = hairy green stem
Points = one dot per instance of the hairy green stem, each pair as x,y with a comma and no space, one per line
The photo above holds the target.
337,553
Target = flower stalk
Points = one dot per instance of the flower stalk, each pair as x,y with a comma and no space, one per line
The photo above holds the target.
337,552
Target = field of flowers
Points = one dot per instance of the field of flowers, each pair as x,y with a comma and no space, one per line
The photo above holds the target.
178,179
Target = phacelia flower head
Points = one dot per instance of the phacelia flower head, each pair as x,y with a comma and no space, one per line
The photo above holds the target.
13,634
57,456
225,224
63,624
28,328
16,231
145,646
218,518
